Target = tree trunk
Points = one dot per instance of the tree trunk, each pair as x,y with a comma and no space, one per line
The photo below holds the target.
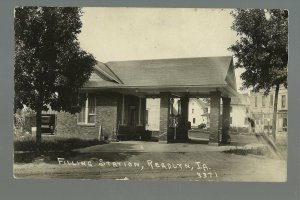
38,129
275,113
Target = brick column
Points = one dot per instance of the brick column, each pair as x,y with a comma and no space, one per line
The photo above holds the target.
164,116
214,117
182,134
225,120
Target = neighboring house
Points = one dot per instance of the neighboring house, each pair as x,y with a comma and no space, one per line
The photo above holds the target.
262,109
198,111
152,114
197,114
240,111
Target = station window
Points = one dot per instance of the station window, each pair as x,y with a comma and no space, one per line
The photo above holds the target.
87,115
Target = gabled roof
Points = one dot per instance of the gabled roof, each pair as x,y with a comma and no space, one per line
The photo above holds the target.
200,102
200,72
173,72
106,73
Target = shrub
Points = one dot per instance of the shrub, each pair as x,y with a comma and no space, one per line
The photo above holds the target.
27,143
202,126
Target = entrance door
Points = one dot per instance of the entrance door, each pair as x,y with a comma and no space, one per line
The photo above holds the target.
131,116
132,122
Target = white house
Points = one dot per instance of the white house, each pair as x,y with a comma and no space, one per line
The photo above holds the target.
240,111
198,112
152,114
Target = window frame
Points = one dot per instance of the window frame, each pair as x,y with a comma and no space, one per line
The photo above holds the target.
283,101
271,100
263,101
255,101
87,114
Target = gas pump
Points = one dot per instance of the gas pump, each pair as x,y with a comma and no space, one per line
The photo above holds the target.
174,119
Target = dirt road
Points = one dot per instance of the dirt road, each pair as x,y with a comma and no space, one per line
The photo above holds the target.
202,164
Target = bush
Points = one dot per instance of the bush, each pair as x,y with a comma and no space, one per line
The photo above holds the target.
202,126
53,144
255,151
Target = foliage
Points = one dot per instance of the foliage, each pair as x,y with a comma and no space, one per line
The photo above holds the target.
27,143
262,48
50,66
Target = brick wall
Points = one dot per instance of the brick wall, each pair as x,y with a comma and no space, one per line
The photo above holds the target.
164,117
106,115
214,117
225,119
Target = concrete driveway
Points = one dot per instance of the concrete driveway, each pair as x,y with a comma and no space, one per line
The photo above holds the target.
199,143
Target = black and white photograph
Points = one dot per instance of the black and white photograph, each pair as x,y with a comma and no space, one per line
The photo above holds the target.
165,94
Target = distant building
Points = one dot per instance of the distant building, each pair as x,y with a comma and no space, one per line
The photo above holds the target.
240,111
198,112
152,114
262,109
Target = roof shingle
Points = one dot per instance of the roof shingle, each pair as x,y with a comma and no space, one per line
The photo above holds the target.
202,71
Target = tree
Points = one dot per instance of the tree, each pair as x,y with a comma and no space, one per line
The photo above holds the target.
262,50
50,66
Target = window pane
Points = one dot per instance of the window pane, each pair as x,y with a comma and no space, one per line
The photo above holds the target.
255,101
92,110
284,122
283,101
205,110
91,119
81,115
271,100
91,105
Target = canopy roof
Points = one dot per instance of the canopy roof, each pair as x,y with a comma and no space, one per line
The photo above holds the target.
193,75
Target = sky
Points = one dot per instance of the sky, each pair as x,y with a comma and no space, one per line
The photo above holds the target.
115,34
